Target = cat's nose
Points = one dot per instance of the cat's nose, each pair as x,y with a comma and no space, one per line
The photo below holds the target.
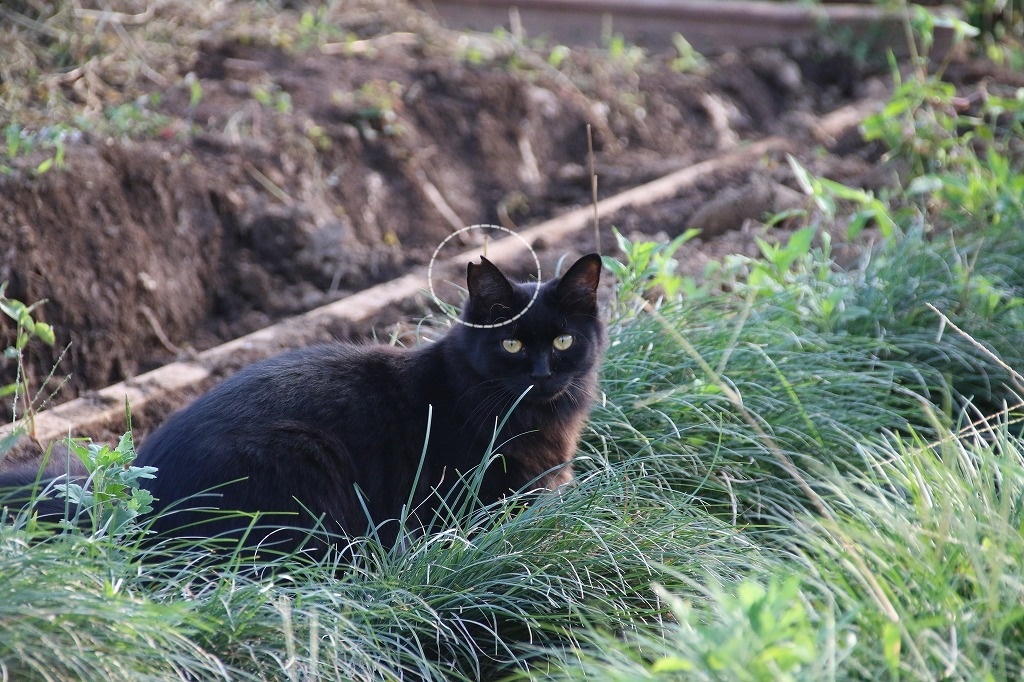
540,379
541,372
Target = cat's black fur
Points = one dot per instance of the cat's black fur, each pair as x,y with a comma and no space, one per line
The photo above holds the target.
303,436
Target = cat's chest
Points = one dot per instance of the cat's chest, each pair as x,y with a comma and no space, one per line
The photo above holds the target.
526,446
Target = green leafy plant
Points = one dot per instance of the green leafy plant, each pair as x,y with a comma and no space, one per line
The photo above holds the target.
273,97
964,170
989,190
919,123
110,496
622,51
27,328
827,194
314,29
922,23
763,633
21,142
650,266
136,119
1001,23
558,54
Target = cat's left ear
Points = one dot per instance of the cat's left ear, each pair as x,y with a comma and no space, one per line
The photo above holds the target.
578,286
491,295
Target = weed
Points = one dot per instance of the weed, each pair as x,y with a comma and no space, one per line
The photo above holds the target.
558,54
137,119
273,97
688,59
373,108
110,495
623,52
22,142
825,193
314,29
649,267
27,328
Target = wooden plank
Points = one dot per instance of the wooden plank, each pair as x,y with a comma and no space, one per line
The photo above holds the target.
711,26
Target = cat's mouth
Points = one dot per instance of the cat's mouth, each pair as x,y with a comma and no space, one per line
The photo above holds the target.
546,393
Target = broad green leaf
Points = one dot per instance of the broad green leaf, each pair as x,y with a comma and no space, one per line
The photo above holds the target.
44,332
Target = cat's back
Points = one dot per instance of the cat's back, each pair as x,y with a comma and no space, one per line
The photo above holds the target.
322,378
333,387
294,434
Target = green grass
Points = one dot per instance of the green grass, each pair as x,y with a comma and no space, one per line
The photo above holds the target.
937,527
831,524
769,489
470,602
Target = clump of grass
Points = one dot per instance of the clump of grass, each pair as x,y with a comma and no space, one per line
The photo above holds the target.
72,608
938,527
472,601
796,361
977,280
815,397
939,524
458,606
24,401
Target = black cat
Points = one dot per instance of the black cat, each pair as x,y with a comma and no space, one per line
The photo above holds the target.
333,436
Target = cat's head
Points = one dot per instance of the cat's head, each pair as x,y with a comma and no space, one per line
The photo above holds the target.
554,346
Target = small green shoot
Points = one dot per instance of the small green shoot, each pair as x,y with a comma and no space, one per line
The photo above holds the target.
689,59
136,119
558,54
764,634
624,52
272,97
21,142
195,92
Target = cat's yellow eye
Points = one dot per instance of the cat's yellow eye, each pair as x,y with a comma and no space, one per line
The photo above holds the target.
562,342
512,345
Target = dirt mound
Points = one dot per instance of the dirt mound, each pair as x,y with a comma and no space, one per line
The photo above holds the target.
270,181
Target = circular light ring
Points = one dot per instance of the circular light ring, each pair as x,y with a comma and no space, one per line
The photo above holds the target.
442,305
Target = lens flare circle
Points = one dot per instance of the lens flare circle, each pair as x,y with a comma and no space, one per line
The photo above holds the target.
443,306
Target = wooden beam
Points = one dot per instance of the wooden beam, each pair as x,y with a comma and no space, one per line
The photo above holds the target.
710,26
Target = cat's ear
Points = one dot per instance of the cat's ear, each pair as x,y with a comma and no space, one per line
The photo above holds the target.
578,286
490,293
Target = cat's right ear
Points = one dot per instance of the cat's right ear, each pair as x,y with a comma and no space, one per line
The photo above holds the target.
577,289
490,292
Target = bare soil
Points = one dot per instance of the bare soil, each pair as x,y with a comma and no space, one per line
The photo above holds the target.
302,175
